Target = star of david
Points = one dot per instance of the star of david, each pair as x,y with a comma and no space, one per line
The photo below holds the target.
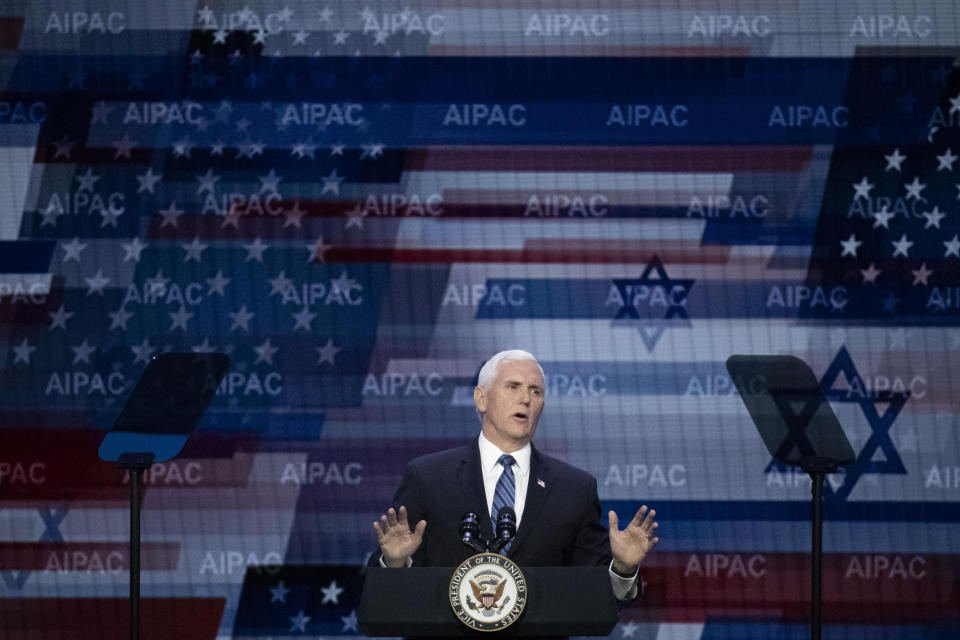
880,425
51,533
656,288
797,410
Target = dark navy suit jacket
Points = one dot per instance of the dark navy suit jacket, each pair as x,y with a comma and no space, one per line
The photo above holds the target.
560,525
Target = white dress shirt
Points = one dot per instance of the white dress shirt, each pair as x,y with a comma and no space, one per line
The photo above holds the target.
489,454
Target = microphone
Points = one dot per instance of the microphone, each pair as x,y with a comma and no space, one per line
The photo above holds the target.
506,529
470,533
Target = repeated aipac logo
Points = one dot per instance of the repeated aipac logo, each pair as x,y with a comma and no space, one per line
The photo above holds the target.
51,519
651,303
842,383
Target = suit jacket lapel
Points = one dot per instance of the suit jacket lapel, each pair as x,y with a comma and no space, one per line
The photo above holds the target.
471,482
539,484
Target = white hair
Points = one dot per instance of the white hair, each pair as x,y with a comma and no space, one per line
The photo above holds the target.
489,370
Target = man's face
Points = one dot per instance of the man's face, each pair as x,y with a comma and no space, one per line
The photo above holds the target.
510,408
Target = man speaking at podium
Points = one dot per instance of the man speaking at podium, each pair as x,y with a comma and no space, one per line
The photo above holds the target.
557,506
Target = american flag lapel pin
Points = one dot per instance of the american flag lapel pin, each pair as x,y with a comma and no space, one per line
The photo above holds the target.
541,483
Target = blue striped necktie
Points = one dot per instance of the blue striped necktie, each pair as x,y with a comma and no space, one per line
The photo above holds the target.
505,493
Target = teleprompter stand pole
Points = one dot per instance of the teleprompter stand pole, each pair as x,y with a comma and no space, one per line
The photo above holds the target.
799,429
157,419
136,464
817,468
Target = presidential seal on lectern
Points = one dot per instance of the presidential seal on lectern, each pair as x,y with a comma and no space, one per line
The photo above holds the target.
488,592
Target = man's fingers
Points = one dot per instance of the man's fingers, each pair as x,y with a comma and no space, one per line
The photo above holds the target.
403,517
381,532
392,517
614,522
644,519
638,516
420,528
650,521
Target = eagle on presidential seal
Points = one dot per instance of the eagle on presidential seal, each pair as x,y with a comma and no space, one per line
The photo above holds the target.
488,589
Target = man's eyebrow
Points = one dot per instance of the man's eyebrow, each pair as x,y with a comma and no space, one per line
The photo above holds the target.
515,381
518,381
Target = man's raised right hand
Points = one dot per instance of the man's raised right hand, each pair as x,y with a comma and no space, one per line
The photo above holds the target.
397,541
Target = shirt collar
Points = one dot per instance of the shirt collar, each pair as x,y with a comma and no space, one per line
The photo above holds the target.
490,453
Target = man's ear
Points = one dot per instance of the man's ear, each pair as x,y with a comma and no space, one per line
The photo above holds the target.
480,399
